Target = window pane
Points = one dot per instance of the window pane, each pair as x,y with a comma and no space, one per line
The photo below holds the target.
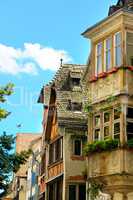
118,60
129,127
117,128
130,113
99,58
77,147
118,54
97,120
117,39
106,131
99,49
82,192
116,114
97,134
106,117
72,192
108,53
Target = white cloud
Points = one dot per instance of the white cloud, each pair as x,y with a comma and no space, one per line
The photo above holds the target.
30,58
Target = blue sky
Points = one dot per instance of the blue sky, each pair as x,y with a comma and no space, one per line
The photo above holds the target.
34,35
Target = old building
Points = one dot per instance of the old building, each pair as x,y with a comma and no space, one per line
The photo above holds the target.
109,79
24,141
64,135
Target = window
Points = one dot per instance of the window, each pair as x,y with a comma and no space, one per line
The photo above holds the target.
76,81
97,124
106,124
77,192
129,48
55,151
129,123
99,58
55,190
108,53
116,124
77,147
117,45
74,106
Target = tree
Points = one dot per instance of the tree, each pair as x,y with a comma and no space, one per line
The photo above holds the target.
9,161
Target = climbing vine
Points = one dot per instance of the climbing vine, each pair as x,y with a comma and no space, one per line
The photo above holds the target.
94,189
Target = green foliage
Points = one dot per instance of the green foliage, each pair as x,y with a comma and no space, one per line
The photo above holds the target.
9,161
88,108
5,91
130,143
99,146
94,189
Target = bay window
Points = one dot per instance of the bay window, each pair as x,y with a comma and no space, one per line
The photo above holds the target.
118,50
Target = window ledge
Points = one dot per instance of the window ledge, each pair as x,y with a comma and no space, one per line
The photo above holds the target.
75,157
55,163
105,74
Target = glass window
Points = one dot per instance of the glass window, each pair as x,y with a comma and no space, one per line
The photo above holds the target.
97,134
118,50
108,53
116,125
77,147
82,192
99,58
129,123
107,116
97,120
72,192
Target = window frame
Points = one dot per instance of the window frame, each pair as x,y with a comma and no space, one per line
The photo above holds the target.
115,121
128,120
96,127
81,146
106,51
97,69
107,124
116,46
76,190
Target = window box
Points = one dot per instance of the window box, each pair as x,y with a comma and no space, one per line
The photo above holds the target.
130,68
102,75
93,79
113,70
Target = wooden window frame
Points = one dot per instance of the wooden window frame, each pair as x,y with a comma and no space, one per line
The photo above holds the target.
107,50
77,189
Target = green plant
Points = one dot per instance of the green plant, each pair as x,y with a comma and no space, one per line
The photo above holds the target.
99,146
130,143
94,189
88,108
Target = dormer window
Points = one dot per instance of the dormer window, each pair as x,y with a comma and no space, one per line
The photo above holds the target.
118,50
76,81
99,58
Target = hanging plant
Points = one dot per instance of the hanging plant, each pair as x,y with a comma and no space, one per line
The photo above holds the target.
94,189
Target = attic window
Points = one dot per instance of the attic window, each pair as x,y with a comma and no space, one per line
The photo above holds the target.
74,106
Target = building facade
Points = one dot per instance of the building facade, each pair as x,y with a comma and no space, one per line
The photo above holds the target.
64,135
109,80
